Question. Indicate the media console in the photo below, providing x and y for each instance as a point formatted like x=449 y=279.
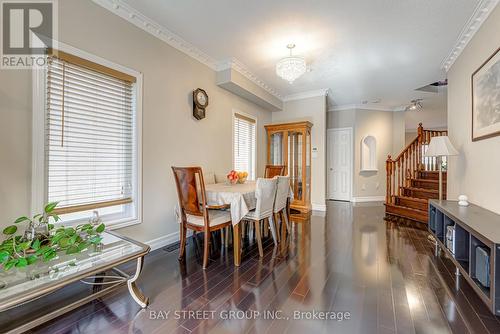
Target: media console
x=473 y=245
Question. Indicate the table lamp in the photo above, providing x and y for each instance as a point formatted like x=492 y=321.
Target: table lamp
x=440 y=146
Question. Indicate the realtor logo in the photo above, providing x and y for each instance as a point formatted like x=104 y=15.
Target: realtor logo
x=27 y=31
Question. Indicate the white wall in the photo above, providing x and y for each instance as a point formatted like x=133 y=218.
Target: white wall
x=389 y=130
x=311 y=109
x=433 y=115
x=171 y=136
x=476 y=171
x=398 y=133
x=378 y=124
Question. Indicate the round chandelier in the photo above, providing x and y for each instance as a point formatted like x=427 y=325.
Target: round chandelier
x=292 y=67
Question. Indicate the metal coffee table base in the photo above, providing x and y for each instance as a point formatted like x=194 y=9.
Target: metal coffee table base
x=134 y=290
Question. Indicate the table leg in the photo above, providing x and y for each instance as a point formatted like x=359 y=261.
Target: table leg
x=237 y=245
x=134 y=290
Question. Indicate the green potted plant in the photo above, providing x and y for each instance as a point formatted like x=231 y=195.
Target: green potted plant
x=43 y=240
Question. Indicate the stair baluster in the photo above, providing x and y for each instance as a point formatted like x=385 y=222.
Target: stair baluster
x=407 y=167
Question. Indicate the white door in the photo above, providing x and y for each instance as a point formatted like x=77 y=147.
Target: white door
x=340 y=164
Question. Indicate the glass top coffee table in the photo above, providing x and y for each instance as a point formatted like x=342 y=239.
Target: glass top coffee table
x=19 y=287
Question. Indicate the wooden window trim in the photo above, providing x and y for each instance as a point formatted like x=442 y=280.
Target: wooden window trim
x=90 y=65
x=245 y=118
x=86 y=207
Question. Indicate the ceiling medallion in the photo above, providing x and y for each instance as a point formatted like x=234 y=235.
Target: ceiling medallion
x=291 y=67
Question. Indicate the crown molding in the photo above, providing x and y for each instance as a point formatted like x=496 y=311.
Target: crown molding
x=138 y=19
x=241 y=68
x=305 y=95
x=368 y=106
x=147 y=24
x=480 y=14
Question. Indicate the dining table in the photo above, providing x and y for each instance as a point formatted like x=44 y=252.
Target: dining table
x=241 y=200
x=239 y=196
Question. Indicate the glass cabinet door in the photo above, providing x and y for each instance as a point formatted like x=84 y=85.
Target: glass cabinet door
x=308 y=167
x=276 y=149
x=289 y=145
x=295 y=168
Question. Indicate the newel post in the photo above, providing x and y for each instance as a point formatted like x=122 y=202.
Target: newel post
x=388 y=170
x=420 y=132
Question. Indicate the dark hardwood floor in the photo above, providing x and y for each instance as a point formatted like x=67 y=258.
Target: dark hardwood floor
x=386 y=276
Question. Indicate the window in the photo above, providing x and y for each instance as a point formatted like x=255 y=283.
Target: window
x=244 y=144
x=91 y=140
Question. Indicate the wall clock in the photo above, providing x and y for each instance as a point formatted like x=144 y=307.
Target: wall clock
x=200 y=102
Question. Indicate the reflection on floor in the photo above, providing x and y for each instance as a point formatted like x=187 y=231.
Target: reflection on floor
x=381 y=278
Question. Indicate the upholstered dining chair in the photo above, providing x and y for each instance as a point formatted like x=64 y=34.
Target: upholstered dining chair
x=274 y=170
x=281 y=201
x=265 y=193
x=194 y=213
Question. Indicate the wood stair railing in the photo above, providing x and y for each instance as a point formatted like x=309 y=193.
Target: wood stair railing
x=406 y=170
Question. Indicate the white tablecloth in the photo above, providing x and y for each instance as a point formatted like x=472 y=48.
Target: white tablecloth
x=241 y=197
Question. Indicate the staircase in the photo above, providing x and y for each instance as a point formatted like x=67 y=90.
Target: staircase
x=412 y=180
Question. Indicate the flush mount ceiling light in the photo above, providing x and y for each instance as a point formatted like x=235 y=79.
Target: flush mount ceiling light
x=292 y=67
x=414 y=105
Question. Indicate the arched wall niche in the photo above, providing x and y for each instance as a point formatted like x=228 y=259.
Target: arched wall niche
x=369 y=154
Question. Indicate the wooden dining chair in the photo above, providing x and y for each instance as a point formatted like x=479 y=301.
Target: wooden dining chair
x=274 y=170
x=265 y=193
x=194 y=213
x=280 y=202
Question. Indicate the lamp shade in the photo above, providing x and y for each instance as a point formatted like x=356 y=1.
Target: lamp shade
x=440 y=146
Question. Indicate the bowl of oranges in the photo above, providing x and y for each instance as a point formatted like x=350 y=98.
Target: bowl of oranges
x=234 y=177
x=242 y=177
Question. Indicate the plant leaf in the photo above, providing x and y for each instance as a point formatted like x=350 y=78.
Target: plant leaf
x=4 y=256
x=64 y=242
x=69 y=231
x=49 y=255
x=43 y=250
x=32 y=259
x=11 y=263
x=74 y=239
x=10 y=230
x=21 y=262
x=50 y=227
x=72 y=250
x=36 y=244
x=50 y=207
x=100 y=228
x=21 y=219
x=82 y=246
x=95 y=240
x=60 y=234
x=24 y=245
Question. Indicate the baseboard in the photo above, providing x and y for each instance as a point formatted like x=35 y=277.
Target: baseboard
x=359 y=199
x=318 y=207
x=163 y=241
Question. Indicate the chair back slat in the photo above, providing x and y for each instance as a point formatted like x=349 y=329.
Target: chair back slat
x=274 y=170
x=282 y=192
x=187 y=180
x=265 y=193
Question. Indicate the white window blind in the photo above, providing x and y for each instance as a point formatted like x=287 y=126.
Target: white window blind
x=89 y=135
x=244 y=145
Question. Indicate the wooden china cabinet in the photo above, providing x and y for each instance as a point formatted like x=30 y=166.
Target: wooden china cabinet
x=289 y=144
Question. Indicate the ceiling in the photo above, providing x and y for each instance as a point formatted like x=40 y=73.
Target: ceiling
x=363 y=50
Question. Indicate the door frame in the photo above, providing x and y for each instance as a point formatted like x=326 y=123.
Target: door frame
x=329 y=133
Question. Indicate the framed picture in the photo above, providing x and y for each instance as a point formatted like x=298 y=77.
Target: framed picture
x=486 y=99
